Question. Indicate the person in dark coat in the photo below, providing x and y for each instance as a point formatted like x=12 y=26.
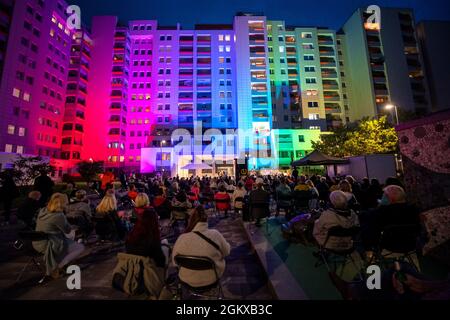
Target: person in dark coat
x=8 y=192
x=44 y=185
x=259 y=202
x=29 y=209
x=393 y=211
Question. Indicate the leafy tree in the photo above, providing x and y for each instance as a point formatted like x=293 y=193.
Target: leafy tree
x=26 y=169
x=89 y=170
x=369 y=136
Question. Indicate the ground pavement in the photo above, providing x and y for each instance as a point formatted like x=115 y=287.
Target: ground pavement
x=244 y=277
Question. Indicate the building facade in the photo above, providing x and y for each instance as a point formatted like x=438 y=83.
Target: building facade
x=119 y=93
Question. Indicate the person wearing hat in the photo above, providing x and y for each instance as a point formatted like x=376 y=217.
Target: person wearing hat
x=259 y=202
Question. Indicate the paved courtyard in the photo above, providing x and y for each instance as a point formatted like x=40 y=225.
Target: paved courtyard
x=244 y=278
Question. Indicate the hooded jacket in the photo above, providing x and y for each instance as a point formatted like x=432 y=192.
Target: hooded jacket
x=55 y=248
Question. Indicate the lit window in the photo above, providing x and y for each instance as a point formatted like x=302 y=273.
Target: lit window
x=54 y=19
x=228 y=48
x=60 y=26
x=314 y=128
x=52 y=32
x=220 y=48
x=26 y=97
x=313 y=116
x=227 y=37
x=22 y=132
x=220 y=37
x=16 y=93
x=11 y=129
x=19 y=150
x=281 y=49
x=8 y=148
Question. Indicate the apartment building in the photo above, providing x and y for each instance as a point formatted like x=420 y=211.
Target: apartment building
x=34 y=78
x=384 y=64
x=433 y=37
x=305 y=77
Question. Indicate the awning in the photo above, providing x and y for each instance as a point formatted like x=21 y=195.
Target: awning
x=317 y=158
x=197 y=166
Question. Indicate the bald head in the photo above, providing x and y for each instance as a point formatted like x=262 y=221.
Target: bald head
x=395 y=194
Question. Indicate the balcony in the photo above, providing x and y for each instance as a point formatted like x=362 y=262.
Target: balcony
x=324 y=40
x=329 y=75
x=327 y=62
x=330 y=86
x=327 y=51
x=333 y=108
x=331 y=96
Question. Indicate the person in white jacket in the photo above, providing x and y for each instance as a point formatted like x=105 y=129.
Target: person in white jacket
x=192 y=244
x=337 y=216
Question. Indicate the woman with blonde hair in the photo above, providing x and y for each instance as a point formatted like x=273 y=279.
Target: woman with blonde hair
x=58 y=250
x=108 y=224
x=142 y=204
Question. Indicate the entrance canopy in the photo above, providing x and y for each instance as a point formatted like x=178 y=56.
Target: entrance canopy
x=196 y=166
x=317 y=158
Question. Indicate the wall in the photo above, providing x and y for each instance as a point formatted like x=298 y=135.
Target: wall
x=425 y=147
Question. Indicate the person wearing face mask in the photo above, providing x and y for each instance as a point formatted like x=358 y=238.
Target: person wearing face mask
x=392 y=211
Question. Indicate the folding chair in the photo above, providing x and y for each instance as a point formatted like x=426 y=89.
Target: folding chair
x=324 y=254
x=26 y=238
x=399 y=240
x=197 y=263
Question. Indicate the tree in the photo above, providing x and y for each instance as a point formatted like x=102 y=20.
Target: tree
x=26 y=169
x=370 y=136
x=89 y=170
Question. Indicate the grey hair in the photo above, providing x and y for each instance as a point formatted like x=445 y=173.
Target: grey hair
x=339 y=199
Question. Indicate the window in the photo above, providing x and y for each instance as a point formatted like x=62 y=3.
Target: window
x=313 y=116
x=281 y=49
x=19 y=150
x=220 y=37
x=227 y=37
x=310 y=69
x=16 y=93
x=313 y=104
x=221 y=48
x=301 y=138
x=22 y=132
x=311 y=80
x=306 y=35
x=8 y=148
x=314 y=128
x=11 y=129
x=309 y=57
x=228 y=48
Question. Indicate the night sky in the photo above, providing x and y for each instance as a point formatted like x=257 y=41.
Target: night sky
x=325 y=13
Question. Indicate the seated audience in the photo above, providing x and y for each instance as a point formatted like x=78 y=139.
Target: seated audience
x=259 y=202
x=393 y=211
x=180 y=207
x=108 y=224
x=144 y=239
x=223 y=200
x=192 y=243
x=132 y=193
x=161 y=205
x=58 y=250
x=29 y=209
x=284 y=198
x=238 y=197
x=79 y=213
x=339 y=215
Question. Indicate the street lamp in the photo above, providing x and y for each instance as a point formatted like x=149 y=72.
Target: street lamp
x=391 y=107
x=163 y=143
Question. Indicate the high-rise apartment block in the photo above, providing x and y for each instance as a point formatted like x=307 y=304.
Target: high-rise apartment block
x=118 y=92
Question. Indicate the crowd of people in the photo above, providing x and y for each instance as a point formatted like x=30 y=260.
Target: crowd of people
x=336 y=202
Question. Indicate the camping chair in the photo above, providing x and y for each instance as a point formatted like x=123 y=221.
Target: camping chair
x=220 y=205
x=285 y=207
x=197 y=263
x=345 y=256
x=264 y=206
x=25 y=239
x=301 y=199
x=239 y=212
x=399 y=240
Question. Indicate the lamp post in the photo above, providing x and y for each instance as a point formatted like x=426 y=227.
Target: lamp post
x=393 y=107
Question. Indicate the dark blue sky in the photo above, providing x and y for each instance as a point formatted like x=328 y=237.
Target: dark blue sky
x=327 y=13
